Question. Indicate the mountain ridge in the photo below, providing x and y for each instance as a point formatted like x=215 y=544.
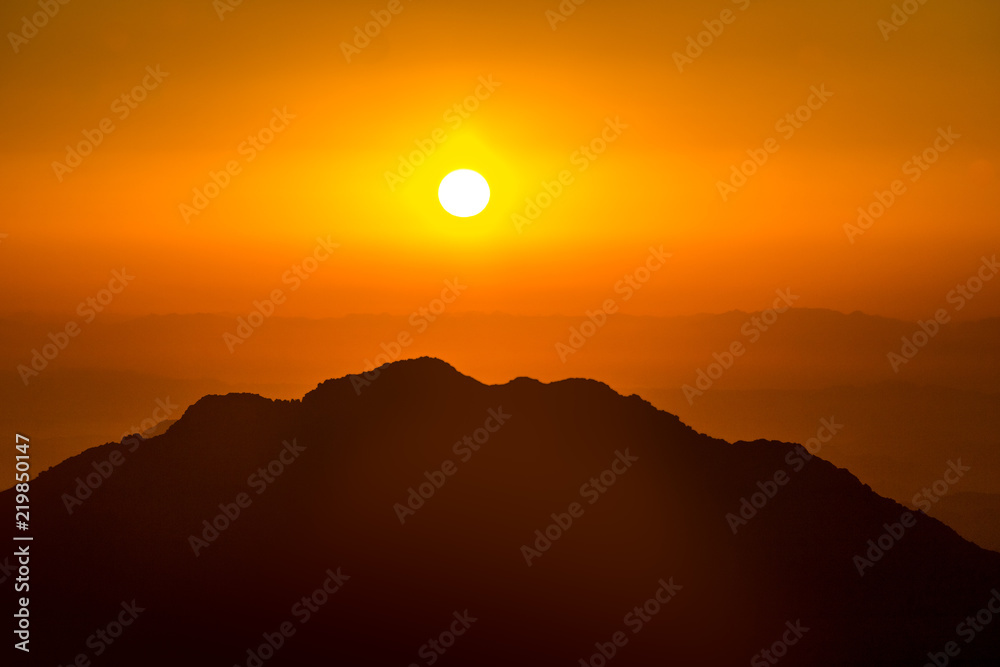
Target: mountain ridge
x=663 y=518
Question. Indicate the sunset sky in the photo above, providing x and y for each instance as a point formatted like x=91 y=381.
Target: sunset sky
x=543 y=93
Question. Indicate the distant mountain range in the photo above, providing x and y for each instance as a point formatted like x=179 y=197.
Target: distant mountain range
x=431 y=519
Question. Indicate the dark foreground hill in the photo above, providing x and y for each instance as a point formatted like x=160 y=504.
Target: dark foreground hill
x=420 y=517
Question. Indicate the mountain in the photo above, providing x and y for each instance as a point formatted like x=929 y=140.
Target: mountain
x=159 y=428
x=112 y=380
x=900 y=435
x=414 y=516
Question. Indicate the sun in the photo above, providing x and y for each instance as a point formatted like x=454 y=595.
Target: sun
x=464 y=193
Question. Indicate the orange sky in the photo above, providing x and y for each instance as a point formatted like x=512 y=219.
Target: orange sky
x=554 y=90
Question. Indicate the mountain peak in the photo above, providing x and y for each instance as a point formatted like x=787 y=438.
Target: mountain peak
x=425 y=373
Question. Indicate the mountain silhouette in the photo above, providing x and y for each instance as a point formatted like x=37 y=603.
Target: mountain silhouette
x=414 y=516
